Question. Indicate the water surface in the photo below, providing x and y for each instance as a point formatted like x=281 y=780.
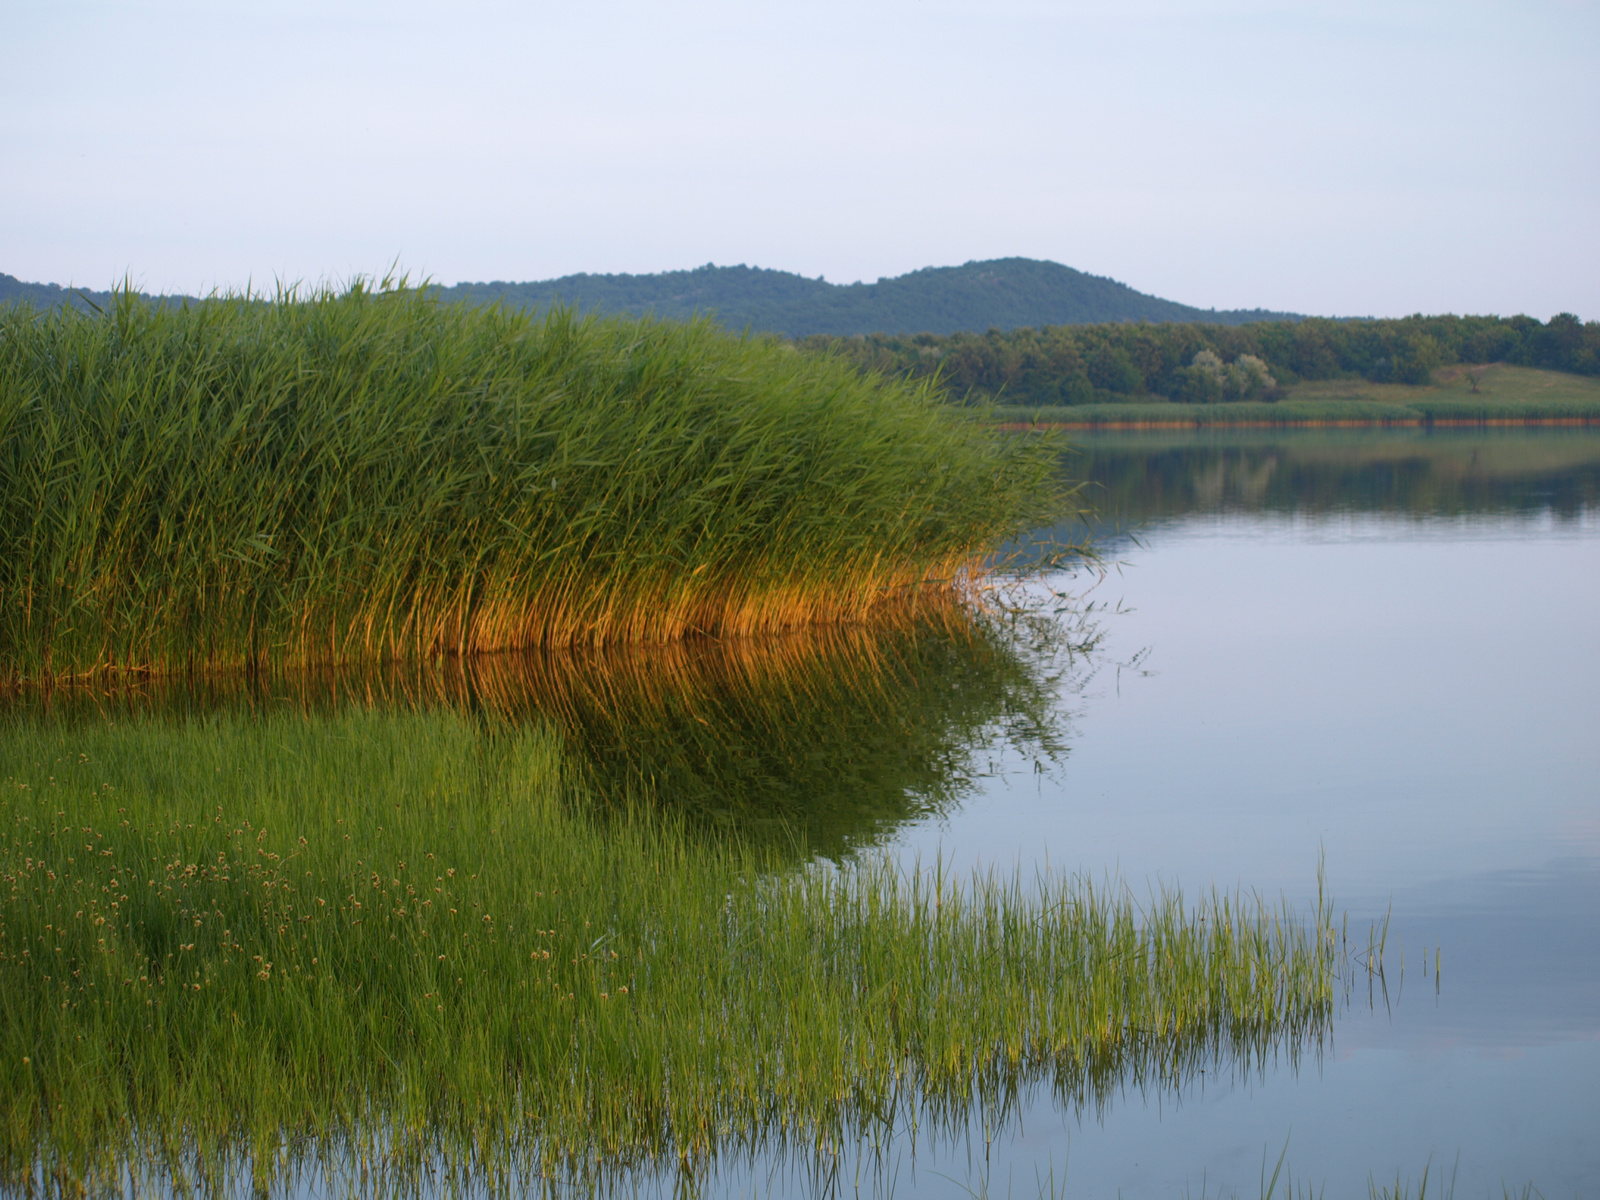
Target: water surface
x=1372 y=654
x=1379 y=650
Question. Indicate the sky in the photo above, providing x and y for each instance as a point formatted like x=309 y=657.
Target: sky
x=1365 y=157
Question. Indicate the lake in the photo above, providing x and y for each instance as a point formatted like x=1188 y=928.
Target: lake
x=1380 y=649
x=1365 y=658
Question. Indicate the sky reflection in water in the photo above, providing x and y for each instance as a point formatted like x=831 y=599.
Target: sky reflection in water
x=1381 y=649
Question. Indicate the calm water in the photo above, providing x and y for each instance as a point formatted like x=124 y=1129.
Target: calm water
x=1376 y=652
x=1379 y=649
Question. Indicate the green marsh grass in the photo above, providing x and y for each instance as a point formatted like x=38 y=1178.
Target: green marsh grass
x=396 y=949
x=372 y=474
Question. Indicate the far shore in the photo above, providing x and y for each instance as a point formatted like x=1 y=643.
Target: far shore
x=1497 y=395
x=1221 y=421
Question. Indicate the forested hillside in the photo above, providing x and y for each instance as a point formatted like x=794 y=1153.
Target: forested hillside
x=1000 y=294
x=49 y=295
x=1201 y=363
x=1036 y=333
x=40 y=295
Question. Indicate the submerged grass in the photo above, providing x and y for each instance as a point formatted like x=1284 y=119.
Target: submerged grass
x=235 y=949
x=374 y=474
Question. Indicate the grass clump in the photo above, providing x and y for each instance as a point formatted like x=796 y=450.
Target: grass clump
x=237 y=949
x=374 y=474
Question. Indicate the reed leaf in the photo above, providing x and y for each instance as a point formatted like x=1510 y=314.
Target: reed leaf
x=373 y=474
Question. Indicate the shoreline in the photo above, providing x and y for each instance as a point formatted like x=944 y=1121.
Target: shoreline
x=1306 y=423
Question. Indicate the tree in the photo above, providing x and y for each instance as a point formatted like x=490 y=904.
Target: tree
x=1112 y=369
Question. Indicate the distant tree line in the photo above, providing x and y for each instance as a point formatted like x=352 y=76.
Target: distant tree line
x=1206 y=363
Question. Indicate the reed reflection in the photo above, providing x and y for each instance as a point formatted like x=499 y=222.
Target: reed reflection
x=362 y=931
x=822 y=742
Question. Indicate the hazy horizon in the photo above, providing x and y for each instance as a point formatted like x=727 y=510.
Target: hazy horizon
x=1367 y=159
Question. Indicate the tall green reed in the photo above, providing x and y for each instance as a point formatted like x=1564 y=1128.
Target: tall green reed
x=236 y=948
x=373 y=474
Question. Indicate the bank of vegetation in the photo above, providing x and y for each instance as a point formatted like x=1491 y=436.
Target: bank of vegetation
x=1201 y=364
x=397 y=947
x=1457 y=397
x=378 y=474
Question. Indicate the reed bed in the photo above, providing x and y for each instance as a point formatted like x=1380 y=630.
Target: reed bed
x=374 y=474
x=394 y=950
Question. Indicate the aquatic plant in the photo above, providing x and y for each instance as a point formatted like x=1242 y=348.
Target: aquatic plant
x=396 y=948
x=374 y=474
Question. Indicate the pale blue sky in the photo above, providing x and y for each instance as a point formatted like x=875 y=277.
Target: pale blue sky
x=1346 y=158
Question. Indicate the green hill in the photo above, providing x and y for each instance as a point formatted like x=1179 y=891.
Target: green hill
x=41 y=295
x=49 y=295
x=1003 y=293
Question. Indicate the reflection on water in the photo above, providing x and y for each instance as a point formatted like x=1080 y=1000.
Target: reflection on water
x=1415 y=473
x=1523 y=961
x=1091 y=1001
x=1381 y=647
x=823 y=741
